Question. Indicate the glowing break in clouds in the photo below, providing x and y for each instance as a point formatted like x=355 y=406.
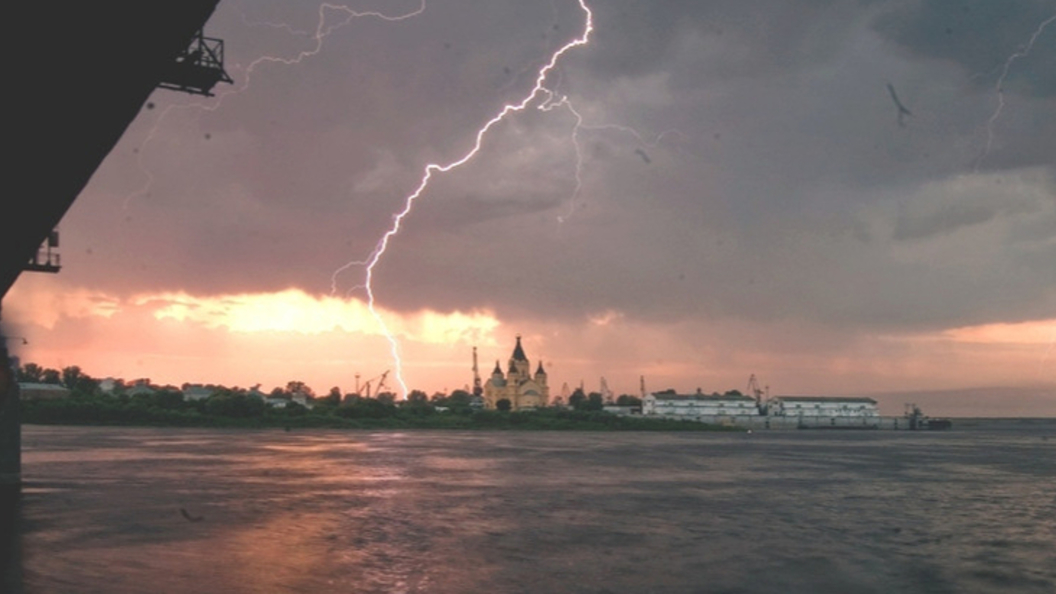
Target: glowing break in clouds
x=293 y=310
x=538 y=91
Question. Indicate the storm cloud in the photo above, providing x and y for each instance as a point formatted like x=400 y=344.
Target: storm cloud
x=736 y=162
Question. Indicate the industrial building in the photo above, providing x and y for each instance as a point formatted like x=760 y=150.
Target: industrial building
x=760 y=411
x=822 y=406
x=695 y=406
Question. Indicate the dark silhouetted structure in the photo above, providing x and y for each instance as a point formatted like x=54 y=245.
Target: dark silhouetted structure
x=82 y=72
x=198 y=68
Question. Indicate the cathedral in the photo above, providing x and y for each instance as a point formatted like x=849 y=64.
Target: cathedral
x=519 y=386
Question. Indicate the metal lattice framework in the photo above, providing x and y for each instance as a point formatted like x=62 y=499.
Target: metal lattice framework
x=198 y=68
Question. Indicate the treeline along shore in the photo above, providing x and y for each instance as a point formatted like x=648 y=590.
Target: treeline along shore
x=69 y=397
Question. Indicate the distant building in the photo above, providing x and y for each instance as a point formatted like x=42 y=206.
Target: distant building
x=108 y=385
x=622 y=410
x=193 y=392
x=141 y=387
x=35 y=391
x=823 y=406
x=519 y=386
x=695 y=406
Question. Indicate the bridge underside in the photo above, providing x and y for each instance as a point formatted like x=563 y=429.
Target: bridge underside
x=79 y=74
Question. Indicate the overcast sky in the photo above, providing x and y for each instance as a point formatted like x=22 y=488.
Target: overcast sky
x=730 y=189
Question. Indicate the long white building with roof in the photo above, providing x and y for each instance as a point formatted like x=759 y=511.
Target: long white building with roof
x=823 y=406
x=699 y=405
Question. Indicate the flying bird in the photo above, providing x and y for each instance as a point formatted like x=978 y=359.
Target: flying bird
x=902 y=111
x=189 y=517
x=645 y=156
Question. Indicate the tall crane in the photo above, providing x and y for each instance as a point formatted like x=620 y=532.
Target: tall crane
x=478 y=389
x=366 y=386
x=756 y=392
x=606 y=393
x=381 y=382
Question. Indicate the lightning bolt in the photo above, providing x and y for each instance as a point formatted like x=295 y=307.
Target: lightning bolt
x=538 y=91
x=322 y=30
x=999 y=88
x=324 y=27
x=563 y=101
x=284 y=26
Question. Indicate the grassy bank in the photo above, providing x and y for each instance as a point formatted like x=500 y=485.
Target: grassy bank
x=103 y=410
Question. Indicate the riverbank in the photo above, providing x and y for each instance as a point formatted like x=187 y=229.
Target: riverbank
x=106 y=411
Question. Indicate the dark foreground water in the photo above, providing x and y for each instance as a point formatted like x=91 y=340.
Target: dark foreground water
x=971 y=510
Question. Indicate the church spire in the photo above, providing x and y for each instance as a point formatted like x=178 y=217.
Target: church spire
x=518 y=352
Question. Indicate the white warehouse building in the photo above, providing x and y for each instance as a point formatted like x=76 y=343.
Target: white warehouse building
x=823 y=406
x=694 y=406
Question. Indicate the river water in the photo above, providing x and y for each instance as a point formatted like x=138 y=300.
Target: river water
x=124 y=510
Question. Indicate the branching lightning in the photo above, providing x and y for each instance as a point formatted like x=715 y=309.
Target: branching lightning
x=539 y=93
x=323 y=30
x=332 y=17
x=999 y=88
x=555 y=102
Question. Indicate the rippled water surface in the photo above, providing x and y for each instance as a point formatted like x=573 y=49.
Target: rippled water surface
x=971 y=510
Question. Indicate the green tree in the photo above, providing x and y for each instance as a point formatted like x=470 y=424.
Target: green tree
x=295 y=387
x=417 y=404
x=628 y=400
x=30 y=373
x=70 y=375
x=78 y=382
x=366 y=408
x=294 y=409
x=51 y=376
x=227 y=403
x=458 y=401
x=459 y=397
x=595 y=401
x=504 y=405
x=578 y=400
x=166 y=398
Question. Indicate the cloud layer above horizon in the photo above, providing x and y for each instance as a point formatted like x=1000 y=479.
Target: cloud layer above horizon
x=741 y=165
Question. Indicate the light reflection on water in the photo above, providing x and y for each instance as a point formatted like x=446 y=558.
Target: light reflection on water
x=330 y=511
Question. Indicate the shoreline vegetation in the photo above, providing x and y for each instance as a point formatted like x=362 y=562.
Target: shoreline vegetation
x=363 y=414
x=71 y=397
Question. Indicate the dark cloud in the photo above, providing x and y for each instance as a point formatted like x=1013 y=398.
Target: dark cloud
x=774 y=195
x=980 y=36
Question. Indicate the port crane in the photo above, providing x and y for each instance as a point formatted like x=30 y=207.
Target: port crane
x=607 y=395
x=756 y=392
x=366 y=386
x=478 y=389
